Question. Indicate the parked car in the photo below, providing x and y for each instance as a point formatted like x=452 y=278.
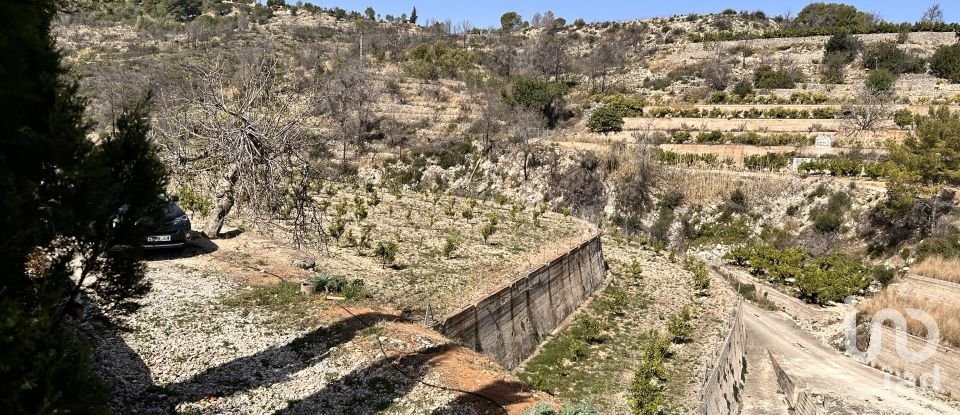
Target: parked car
x=174 y=231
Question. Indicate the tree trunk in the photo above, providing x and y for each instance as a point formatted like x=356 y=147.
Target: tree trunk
x=224 y=202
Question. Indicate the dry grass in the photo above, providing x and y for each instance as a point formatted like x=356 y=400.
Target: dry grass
x=939 y=268
x=943 y=314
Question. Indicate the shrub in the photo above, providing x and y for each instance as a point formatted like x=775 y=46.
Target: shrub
x=328 y=283
x=450 y=245
x=832 y=278
x=886 y=55
x=945 y=62
x=843 y=46
x=589 y=329
x=680 y=327
x=880 y=81
x=769 y=161
x=737 y=202
x=903 y=118
x=743 y=88
x=829 y=218
x=568 y=408
x=646 y=390
x=387 y=252
x=439 y=59
x=833 y=66
x=834 y=16
x=538 y=95
x=354 y=290
x=605 y=120
x=487 y=230
x=768 y=78
x=626 y=107
x=701 y=277
x=710 y=137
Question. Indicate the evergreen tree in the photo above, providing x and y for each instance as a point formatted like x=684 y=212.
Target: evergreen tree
x=413 y=15
x=61 y=195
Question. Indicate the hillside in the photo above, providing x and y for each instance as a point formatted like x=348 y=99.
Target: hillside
x=411 y=169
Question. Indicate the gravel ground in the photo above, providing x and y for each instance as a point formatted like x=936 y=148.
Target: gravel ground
x=189 y=351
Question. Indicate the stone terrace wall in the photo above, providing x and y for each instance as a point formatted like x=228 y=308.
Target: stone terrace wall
x=509 y=324
x=721 y=392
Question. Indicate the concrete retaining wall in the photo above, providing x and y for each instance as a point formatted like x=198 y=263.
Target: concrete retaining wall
x=721 y=391
x=509 y=324
x=800 y=400
x=944 y=292
x=940 y=371
x=764 y=294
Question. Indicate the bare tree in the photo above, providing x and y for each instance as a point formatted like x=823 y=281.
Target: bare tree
x=230 y=122
x=346 y=99
x=716 y=71
x=867 y=113
x=933 y=14
x=600 y=60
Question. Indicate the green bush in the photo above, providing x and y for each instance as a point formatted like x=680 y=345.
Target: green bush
x=829 y=218
x=768 y=78
x=769 y=161
x=880 y=81
x=832 y=278
x=903 y=118
x=833 y=68
x=843 y=46
x=945 y=62
x=775 y=264
x=743 y=88
x=680 y=327
x=605 y=120
x=646 y=390
x=701 y=276
x=542 y=96
x=938 y=246
x=887 y=55
x=387 y=252
x=625 y=106
x=568 y=408
x=438 y=60
x=833 y=16
x=450 y=245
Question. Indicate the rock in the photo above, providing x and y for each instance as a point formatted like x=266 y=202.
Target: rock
x=304 y=263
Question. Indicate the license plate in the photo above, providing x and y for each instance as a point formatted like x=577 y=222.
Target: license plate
x=161 y=238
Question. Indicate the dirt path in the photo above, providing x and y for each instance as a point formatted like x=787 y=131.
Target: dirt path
x=822 y=371
x=761 y=394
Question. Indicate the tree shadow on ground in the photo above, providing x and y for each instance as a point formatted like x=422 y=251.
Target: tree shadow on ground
x=135 y=392
x=491 y=399
x=370 y=389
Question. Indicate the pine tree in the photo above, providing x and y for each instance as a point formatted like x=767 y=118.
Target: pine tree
x=61 y=192
x=413 y=15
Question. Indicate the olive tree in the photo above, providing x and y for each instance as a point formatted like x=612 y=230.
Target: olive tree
x=229 y=124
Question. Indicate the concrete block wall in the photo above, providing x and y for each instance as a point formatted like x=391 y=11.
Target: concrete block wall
x=509 y=324
x=722 y=390
x=941 y=370
x=800 y=400
x=944 y=292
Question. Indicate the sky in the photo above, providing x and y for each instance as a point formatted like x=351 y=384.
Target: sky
x=486 y=13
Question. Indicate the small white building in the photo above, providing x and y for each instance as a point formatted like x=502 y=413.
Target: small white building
x=823 y=141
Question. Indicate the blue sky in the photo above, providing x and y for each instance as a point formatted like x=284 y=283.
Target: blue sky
x=485 y=13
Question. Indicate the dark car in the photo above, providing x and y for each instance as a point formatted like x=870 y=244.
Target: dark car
x=174 y=231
